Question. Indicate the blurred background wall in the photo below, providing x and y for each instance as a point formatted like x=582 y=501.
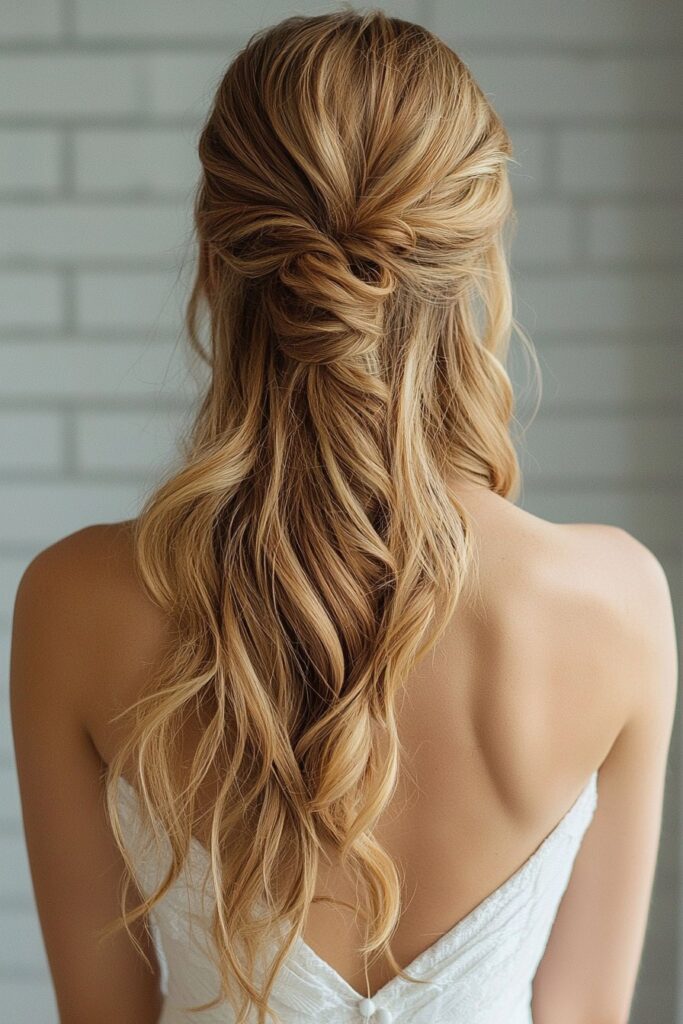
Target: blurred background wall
x=100 y=104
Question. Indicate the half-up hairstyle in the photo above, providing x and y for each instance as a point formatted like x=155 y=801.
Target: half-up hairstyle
x=352 y=278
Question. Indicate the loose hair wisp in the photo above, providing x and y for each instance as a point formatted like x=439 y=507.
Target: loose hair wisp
x=352 y=271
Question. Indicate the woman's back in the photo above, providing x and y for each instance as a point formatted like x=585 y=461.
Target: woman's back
x=480 y=971
x=313 y=646
x=503 y=725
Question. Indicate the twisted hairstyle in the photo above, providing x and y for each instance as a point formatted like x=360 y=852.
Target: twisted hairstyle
x=353 y=282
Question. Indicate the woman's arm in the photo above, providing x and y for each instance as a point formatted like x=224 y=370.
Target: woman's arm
x=589 y=970
x=75 y=864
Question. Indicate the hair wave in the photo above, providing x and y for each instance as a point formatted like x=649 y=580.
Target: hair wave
x=351 y=221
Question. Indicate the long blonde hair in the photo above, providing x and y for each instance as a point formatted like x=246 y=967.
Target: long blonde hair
x=351 y=221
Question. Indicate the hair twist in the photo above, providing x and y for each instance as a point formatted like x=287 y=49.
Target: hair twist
x=327 y=304
x=309 y=550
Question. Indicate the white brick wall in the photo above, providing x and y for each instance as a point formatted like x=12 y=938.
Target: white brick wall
x=40 y=20
x=46 y=85
x=18 y=305
x=149 y=162
x=83 y=231
x=176 y=19
x=30 y=161
x=584 y=23
x=100 y=104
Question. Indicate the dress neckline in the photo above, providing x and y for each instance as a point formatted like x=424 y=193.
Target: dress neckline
x=430 y=954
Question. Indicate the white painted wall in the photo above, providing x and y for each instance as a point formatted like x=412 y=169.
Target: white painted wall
x=99 y=107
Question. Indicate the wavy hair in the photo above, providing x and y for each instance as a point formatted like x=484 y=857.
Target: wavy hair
x=352 y=302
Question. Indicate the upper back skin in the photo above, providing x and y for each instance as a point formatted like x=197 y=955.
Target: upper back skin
x=502 y=723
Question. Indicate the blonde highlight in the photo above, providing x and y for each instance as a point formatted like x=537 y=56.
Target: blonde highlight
x=352 y=210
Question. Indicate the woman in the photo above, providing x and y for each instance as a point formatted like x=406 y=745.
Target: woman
x=327 y=722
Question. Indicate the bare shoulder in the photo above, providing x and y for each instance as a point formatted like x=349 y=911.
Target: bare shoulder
x=96 y=548
x=621 y=643
x=638 y=615
x=593 y=564
x=80 y=632
x=600 y=568
x=83 y=605
x=89 y=578
x=630 y=559
x=615 y=604
x=580 y=617
x=632 y=583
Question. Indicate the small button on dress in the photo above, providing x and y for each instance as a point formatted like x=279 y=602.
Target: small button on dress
x=374 y=1014
x=479 y=972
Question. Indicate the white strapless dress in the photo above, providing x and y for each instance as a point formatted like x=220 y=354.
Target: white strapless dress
x=479 y=972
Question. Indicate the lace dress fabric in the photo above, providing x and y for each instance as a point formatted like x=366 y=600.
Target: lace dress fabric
x=479 y=972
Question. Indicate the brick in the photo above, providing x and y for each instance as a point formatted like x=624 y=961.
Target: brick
x=28 y=1000
x=30 y=299
x=163 y=19
x=184 y=84
x=21 y=943
x=30 y=161
x=576 y=86
x=635 y=232
x=31 y=441
x=544 y=235
x=10 y=805
x=71 y=504
x=655 y=996
x=5 y=637
x=651 y=1001
x=618 y=447
x=15 y=876
x=126 y=441
x=667 y=859
x=145 y=161
x=601 y=372
x=519 y=87
x=86 y=231
x=140 y=300
x=651 y=514
x=41 y=19
x=65 y=368
x=6 y=748
x=530 y=151
x=12 y=568
x=607 y=161
x=69 y=84
x=595 y=301
x=611 y=22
